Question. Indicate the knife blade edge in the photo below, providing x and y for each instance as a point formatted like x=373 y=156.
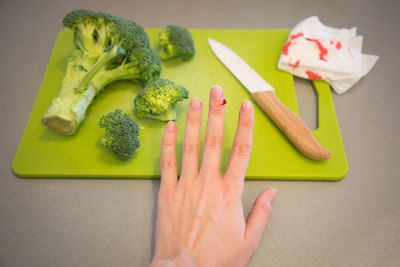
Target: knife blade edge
x=239 y=68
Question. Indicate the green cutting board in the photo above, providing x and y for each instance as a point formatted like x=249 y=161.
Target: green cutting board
x=43 y=153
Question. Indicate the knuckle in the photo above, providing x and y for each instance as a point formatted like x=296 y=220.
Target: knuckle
x=167 y=163
x=216 y=108
x=190 y=148
x=168 y=143
x=242 y=151
x=194 y=119
x=246 y=122
x=213 y=142
x=267 y=212
x=232 y=194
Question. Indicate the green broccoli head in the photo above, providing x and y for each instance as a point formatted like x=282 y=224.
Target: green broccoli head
x=89 y=34
x=124 y=44
x=175 y=42
x=104 y=37
x=158 y=100
x=121 y=134
x=97 y=32
x=107 y=48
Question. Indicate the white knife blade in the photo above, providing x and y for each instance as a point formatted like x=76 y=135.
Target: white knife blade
x=239 y=68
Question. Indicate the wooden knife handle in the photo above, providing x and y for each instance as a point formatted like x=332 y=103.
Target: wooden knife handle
x=291 y=125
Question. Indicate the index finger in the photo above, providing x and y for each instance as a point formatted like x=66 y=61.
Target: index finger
x=169 y=173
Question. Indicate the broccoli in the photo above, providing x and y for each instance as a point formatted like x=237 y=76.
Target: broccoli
x=121 y=134
x=158 y=100
x=107 y=48
x=142 y=66
x=175 y=42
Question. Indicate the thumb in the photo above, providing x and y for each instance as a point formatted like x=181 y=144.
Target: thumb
x=258 y=218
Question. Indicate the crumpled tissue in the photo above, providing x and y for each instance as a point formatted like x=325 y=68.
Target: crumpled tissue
x=318 y=52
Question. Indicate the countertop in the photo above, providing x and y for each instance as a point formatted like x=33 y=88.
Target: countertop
x=85 y=222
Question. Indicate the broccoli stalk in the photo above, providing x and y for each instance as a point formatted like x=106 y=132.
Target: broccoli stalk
x=175 y=42
x=102 y=42
x=158 y=100
x=121 y=134
x=142 y=66
x=169 y=115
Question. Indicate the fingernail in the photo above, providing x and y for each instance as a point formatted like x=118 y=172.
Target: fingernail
x=216 y=92
x=170 y=126
x=272 y=195
x=196 y=103
x=275 y=193
x=246 y=106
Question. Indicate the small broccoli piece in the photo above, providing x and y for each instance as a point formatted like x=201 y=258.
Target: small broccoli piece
x=107 y=48
x=175 y=42
x=121 y=134
x=158 y=100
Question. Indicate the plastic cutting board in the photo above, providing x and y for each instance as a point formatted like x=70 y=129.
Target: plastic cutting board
x=43 y=153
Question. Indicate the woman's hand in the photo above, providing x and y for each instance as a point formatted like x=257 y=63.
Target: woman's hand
x=200 y=220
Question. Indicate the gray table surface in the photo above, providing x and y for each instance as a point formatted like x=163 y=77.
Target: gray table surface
x=68 y=222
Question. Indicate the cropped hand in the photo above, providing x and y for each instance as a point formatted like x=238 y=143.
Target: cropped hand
x=200 y=220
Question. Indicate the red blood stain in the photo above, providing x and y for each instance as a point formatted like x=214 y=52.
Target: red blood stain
x=295 y=36
x=313 y=75
x=285 y=49
x=223 y=102
x=322 y=50
x=338 y=45
x=331 y=42
x=295 y=65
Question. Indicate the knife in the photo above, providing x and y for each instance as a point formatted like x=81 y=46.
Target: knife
x=264 y=95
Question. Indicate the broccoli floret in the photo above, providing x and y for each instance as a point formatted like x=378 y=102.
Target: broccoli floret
x=121 y=134
x=158 y=100
x=175 y=42
x=103 y=43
